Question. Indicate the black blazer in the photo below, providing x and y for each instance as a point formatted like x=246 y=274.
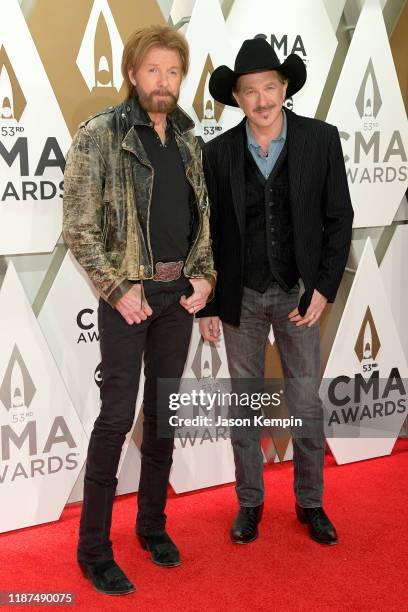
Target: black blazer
x=320 y=204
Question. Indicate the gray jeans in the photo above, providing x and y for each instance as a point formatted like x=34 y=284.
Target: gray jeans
x=299 y=349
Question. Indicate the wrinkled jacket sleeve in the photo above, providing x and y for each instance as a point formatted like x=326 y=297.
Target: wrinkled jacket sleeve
x=83 y=219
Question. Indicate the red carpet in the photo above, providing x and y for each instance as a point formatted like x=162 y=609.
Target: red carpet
x=282 y=570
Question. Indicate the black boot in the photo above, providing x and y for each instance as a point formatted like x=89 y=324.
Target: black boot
x=320 y=528
x=245 y=527
x=107 y=577
x=162 y=549
x=95 y=556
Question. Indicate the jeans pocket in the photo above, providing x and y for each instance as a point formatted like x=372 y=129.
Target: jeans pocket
x=295 y=289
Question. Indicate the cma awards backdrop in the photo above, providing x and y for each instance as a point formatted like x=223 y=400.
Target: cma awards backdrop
x=59 y=63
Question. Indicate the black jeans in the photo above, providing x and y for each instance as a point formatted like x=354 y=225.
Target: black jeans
x=164 y=340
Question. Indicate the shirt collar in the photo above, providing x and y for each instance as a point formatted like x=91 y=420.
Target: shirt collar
x=282 y=136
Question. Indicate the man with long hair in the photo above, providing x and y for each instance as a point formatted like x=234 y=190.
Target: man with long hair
x=136 y=217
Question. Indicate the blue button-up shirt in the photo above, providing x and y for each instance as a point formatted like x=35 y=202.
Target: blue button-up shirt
x=264 y=162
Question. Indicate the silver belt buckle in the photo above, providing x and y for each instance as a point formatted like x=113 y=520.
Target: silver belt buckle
x=168 y=271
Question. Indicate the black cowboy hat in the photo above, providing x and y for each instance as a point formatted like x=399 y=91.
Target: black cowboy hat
x=256 y=55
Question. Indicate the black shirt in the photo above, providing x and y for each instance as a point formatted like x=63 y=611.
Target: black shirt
x=170 y=214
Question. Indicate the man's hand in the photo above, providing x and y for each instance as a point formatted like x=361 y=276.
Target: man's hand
x=132 y=307
x=202 y=289
x=210 y=329
x=313 y=313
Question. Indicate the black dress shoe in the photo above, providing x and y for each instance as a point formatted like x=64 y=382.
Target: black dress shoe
x=107 y=577
x=245 y=527
x=320 y=528
x=162 y=549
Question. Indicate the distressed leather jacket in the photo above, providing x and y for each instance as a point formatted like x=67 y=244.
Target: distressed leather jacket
x=108 y=184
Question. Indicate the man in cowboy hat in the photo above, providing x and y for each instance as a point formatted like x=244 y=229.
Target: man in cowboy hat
x=281 y=212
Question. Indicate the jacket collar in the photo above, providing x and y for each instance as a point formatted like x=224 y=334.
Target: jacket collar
x=136 y=115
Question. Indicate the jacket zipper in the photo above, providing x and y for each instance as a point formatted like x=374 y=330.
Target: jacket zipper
x=189 y=256
x=148 y=220
x=148 y=209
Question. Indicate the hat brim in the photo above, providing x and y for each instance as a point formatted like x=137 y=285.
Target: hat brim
x=223 y=79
